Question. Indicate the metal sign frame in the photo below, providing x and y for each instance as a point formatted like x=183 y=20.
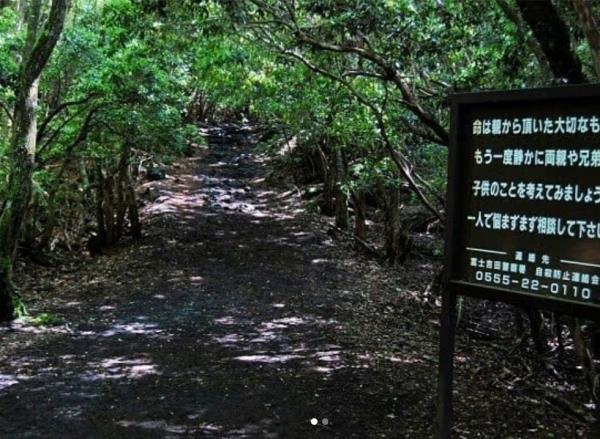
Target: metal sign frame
x=453 y=287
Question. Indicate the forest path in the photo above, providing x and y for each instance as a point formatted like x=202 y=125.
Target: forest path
x=234 y=317
x=238 y=316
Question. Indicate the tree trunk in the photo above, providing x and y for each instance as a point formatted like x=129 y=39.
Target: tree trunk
x=101 y=227
x=590 y=29
x=514 y=16
x=341 y=199
x=553 y=35
x=327 y=205
x=56 y=182
x=131 y=200
x=52 y=205
x=22 y=157
x=341 y=209
x=360 y=217
x=121 y=185
x=23 y=141
x=108 y=207
x=397 y=241
x=127 y=197
x=29 y=233
x=538 y=335
x=133 y=214
x=586 y=359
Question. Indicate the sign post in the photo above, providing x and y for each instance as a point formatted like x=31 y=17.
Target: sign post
x=523 y=208
x=446 y=364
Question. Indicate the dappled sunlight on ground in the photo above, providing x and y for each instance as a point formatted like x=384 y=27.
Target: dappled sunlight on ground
x=232 y=318
x=203 y=429
x=121 y=367
x=7 y=381
x=278 y=358
x=281 y=340
x=147 y=329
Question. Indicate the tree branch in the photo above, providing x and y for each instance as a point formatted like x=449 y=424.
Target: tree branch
x=401 y=162
x=391 y=74
x=41 y=51
x=58 y=109
x=81 y=136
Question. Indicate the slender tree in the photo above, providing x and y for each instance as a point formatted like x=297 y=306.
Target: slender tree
x=40 y=42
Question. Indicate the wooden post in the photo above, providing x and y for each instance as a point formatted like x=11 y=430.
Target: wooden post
x=446 y=365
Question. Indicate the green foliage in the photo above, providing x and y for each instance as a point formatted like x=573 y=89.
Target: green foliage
x=46 y=319
x=19 y=307
x=367 y=81
x=435 y=47
x=312 y=206
x=11 y=42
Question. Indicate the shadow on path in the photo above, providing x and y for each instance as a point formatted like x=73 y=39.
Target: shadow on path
x=229 y=320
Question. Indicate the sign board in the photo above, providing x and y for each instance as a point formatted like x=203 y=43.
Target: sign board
x=524 y=198
x=523 y=208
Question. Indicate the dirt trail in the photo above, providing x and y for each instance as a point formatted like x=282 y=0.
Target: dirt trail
x=235 y=317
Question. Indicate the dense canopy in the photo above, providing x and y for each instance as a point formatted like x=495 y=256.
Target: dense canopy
x=346 y=101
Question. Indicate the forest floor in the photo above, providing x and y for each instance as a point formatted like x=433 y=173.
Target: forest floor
x=239 y=316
